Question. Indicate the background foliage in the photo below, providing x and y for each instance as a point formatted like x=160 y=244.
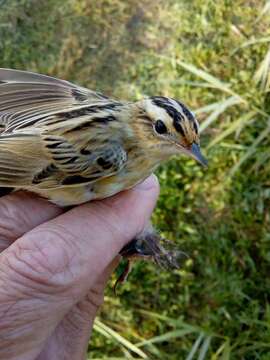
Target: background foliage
x=215 y=56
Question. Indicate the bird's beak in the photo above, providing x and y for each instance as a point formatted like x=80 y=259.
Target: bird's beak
x=195 y=152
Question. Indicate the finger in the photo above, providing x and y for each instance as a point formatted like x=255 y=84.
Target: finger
x=72 y=334
x=50 y=269
x=88 y=236
x=21 y=212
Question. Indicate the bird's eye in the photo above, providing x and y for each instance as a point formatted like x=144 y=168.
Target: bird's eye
x=160 y=127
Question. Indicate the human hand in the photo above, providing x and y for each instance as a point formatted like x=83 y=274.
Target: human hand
x=54 y=265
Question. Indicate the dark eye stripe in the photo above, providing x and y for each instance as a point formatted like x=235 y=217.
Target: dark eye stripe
x=195 y=127
x=175 y=114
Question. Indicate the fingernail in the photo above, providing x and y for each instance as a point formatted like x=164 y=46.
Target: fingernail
x=148 y=183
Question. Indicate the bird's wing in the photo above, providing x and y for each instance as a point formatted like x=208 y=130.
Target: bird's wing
x=30 y=159
x=21 y=156
x=27 y=98
x=79 y=166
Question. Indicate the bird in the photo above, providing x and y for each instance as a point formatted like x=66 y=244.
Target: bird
x=71 y=145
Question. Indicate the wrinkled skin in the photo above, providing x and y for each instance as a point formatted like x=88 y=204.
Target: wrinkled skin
x=54 y=265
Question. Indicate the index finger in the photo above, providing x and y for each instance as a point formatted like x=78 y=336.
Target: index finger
x=21 y=212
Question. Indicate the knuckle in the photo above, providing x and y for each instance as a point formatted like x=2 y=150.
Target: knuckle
x=94 y=299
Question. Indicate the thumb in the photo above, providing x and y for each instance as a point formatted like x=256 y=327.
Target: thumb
x=51 y=268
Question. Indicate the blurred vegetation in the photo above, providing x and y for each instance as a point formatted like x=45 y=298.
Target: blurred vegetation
x=215 y=56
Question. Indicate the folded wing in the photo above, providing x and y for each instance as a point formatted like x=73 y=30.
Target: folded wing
x=26 y=98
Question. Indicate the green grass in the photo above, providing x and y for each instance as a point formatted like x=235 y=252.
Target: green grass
x=213 y=55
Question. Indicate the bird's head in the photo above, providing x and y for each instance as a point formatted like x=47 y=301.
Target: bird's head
x=172 y=127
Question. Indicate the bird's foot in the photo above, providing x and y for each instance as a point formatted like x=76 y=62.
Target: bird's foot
x=149 y=245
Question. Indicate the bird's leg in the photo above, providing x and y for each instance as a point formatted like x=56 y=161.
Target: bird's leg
x=5 y=191
x=124 y=275
x=149 y=245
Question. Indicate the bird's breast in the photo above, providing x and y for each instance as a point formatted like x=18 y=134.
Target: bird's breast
x=135 y=171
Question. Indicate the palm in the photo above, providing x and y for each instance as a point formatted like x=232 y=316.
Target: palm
x=54 y=266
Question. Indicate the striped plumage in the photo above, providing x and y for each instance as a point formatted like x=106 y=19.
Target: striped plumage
x=71 y=145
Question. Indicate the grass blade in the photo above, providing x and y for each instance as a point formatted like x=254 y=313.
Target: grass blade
x=219 y=352
x=234 y=126
x=226 y=354
x=232 y=100
x=251 y=150
x=195 y=347
x=179 y=323
x=262 y=75
x=110 y=333
x=214 y=81
x=251 y=42
x=208 y=108
x=264 y=11
x=165 y=337
x=204 y=348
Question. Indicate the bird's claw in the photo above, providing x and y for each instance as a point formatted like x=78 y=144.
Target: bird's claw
x=149 y=246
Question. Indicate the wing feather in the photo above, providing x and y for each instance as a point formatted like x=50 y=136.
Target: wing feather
x=21 y=156
x=77 y=168
x=31 y=159
x=19 y=76
x=26 y=96
x=33 y=151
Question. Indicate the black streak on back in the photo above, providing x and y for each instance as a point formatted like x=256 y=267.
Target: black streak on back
x=44 y=174
x=105 y=164
x=85 y=152
x=98 y=120
x=88 y=110
x=76 y=180
x=53 y=145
